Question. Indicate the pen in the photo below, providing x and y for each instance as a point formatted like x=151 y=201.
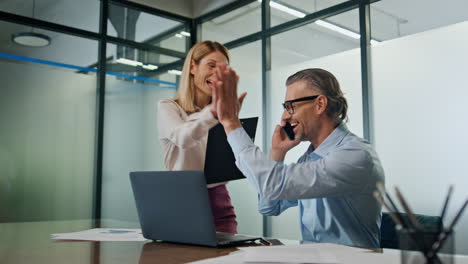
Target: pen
x=443 y=235
x=407 y=209
x=459 y=213
x=381 y=188
x=444 y=208
x=399 y=224
x=392 y=215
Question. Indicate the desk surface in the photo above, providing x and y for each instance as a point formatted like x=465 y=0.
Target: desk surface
x=29 y=242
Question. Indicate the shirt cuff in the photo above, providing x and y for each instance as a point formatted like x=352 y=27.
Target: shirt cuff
x=208 y=117
x=239 y=140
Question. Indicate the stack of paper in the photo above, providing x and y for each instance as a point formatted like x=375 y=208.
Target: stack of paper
x=305 y=253
x=315 y=253
x=103 y=234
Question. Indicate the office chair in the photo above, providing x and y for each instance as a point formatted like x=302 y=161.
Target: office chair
x=389 y=236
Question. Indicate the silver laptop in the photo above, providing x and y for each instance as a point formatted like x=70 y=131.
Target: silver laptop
x=173 y=206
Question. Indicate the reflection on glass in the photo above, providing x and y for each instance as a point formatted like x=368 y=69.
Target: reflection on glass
x=57 y=52
x=176 y=38
x=286 y=10
x=131 y=141
x=139 y=26
x=177 y=41
x=83 y=14
x=282 y=12
x=141 y=66
x=398 y=18
x=47 y=114
x=317 y=39
x=233 y=25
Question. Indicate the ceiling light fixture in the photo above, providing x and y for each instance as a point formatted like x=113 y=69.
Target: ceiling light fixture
x=338 y=29
x=286 y=9
x=31 y=39
x=175 y=72
x=136 y=64
x=319 y=22
x=149 y=67
x=182 y=34
x=128 y=62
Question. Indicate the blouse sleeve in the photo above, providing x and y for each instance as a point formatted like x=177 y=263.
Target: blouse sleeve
x=182 y=133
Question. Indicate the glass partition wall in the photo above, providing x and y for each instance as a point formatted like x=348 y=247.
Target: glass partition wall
x=135 y=83
x=78 y=104
x=47 y=117
x=84 y=113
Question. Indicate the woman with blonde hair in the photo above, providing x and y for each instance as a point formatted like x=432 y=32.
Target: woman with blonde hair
x=184 y=122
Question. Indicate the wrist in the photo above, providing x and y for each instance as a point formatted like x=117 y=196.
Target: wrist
x=215 y=116
x=231 y=125
x=277 y=155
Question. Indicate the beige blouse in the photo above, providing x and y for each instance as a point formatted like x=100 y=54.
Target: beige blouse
x=183 y=137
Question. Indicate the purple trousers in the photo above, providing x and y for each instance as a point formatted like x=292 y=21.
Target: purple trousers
x=223 y=212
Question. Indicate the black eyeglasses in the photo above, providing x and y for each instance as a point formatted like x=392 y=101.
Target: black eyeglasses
x=288 y=105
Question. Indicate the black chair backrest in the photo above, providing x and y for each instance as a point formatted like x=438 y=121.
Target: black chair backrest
x=389 y=236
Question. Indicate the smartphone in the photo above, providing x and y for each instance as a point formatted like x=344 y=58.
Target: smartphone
x=288 y=129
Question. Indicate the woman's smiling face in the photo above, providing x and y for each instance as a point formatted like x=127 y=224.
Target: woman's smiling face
x=203 y=72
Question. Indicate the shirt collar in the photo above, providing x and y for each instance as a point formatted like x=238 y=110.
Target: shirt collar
x=335 y=137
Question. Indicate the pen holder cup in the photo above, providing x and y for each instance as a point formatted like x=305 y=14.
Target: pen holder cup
x=416 y=247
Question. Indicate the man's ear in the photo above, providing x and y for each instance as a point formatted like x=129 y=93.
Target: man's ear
x=322 y=103
x=193 y=67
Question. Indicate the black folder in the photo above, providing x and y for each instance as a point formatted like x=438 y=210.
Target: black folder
x=220 y=164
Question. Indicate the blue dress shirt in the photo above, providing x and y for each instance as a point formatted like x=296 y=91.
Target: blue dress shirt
x=333 y=186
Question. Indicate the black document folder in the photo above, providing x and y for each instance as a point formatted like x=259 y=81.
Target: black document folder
x=220 y=164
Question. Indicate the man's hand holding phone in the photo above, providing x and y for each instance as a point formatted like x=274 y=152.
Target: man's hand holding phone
x=281 y=144
x=288 y=129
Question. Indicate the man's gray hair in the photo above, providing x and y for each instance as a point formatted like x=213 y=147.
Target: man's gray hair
x=325 y=83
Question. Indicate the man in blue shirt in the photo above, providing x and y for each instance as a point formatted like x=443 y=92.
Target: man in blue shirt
x=332 y=183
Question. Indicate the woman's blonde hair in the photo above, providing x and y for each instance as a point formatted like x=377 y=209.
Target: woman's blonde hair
x=185 y=96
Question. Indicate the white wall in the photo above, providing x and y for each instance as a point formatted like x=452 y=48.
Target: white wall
x=420 y=91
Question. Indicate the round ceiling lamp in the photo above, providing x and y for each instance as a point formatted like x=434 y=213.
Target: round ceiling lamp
x=31 y=39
